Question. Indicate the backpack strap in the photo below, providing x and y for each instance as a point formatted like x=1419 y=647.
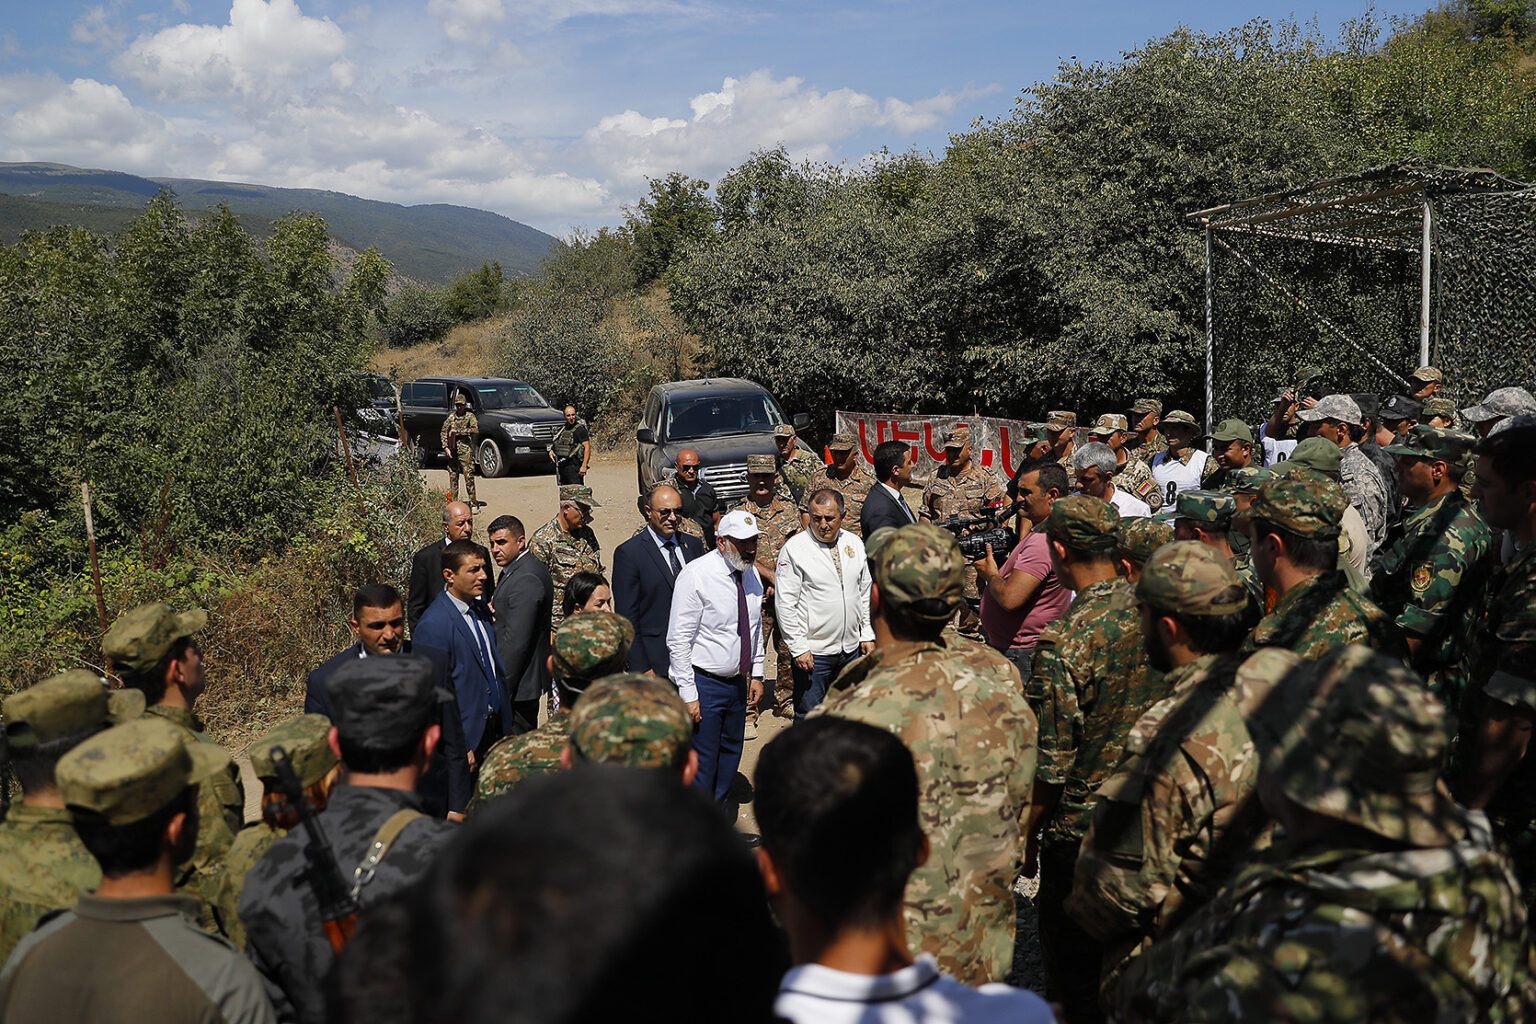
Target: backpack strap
x=383 y=839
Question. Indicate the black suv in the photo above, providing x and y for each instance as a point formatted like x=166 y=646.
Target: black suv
x=724 y=419
x=516 y=423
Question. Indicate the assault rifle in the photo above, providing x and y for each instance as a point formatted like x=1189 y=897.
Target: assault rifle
x=338 y=908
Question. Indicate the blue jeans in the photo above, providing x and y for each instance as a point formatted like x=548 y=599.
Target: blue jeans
x=811 y=687
x=722 y=724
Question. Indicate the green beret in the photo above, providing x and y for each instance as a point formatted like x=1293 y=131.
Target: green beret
x=305 y=740
x=1082 y=523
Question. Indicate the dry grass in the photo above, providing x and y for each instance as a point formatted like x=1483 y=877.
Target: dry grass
x=469 y=349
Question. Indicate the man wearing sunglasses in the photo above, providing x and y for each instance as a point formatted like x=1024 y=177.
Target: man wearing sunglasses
x=644 y=568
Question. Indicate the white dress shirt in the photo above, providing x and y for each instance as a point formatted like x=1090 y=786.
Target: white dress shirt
x=820 y=610
x=701 y=630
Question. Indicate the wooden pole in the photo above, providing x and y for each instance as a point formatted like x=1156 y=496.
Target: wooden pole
x=90 y=539
x=346 y=450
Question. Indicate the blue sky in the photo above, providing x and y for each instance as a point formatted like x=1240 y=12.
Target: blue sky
x=553 y=112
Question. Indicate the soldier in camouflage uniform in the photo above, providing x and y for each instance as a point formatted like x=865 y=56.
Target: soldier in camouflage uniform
x=962 y=487
x=1136 y=537
x=1180 y=815
x=460 y=428
x=566 y=544
x=848 y=476
x=1336 y=418
x=1146 y=440
x=1320 y=455
x=385 y=712
x=1206 y=516
x=1133 y=476
x=1385 y=901
x=306 y=741
x=1294 y=520
x=43 y=864
x=1061 y=429
x=586 y=647
x=1431 y=578
x=1440 y=412
x=1089 y=684
x=793 y=465
x=1232 y=450
x=972 y=736
x=778 y=519
x=635 y=720
x=154 y=651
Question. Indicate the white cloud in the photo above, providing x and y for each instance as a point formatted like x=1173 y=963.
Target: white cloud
x=80 y=122
x=97 y=26
x=267 y=44
x=544 y=14
x=465 y=21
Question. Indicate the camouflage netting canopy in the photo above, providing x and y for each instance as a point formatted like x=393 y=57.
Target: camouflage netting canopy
x=1334 y=274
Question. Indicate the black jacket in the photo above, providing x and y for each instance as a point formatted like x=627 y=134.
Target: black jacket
x=880 y=509
x=524 y=602
x=642 y=593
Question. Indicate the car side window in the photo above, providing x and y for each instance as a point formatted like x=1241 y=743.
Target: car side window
x=653 y=412
x=432 y=393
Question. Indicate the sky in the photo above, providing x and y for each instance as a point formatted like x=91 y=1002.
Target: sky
x=552 y=112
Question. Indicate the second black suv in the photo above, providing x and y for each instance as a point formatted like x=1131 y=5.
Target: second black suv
x=516 y=423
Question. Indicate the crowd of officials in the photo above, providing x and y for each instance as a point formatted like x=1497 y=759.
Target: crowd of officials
x=1256 y=705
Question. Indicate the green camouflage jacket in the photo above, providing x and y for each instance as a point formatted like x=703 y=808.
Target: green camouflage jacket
x=1348 y=935
x=1179 y=817
x=466 y=426
x=565 y=555
x=795 y=472
x=515 y=759
x=1504 y=669
x=1322 y=613
x=1431 y=580
x=973 y=738
x=43 y=867
x=1089 y=684
x=249 y=846
x=854 y=490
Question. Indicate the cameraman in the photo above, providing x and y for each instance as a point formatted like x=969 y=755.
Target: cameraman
x=1023 y=596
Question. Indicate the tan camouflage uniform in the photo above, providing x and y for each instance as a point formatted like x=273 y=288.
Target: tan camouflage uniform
x=564 y=555
x=1135 y=477
x=966 y=495
x=462 y=458
x=854 y=488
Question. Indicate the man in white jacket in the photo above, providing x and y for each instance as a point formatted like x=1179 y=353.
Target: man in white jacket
x=822 y=590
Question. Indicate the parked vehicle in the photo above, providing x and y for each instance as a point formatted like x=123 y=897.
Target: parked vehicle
x=516 y=423
x=724 y=419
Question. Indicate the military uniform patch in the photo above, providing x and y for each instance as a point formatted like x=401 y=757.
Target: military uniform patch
x=1422 y=577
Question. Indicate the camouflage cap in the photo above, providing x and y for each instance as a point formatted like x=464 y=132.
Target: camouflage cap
x=1309 y=373
x=1428 y=374
x=130 y=771
x=1315 y=453
x=139 y=639
x=1142 y=406
x=784 y=430
x=918 y=562
x=632 y=719
x=1512 y=423
x=1035 y=432
x=1400 y=407
x=1214 y=508
x=761 y=464
x=1190 y=578
x=579 y=493
x=1108 y=424
x=1439 y=444
x=1248 y=479
x=957 y=436
x=305 y=740
x=1439 y=405
x=1060 y=419
x=1180 y=418
x=1358 y=737
x=1502 y=402
x=65 y=705
x=384 y=701
x=1332 y=407
x=591 y=645
x=1137 y=537
x=1232 y=429
x=1083 y=523
x=1304 y=503
x=843 y=441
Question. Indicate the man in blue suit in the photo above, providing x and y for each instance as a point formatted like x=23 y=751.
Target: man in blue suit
x=456 y=622
x=378 y=622
x=643 y=570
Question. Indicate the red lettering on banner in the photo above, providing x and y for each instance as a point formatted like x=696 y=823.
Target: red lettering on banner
x=897 y=434
x=986 y=458
x=936 y=454
x=1006 y=450
x=869 y=455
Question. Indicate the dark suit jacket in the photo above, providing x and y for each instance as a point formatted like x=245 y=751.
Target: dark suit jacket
x=524 y=603
x=447 y=786
x=427 y=580
x=700 y=505
x=642 y=593
x=880 y=509
x=442 y=626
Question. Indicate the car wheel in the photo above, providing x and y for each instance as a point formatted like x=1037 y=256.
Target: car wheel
x=423 y=453
x=490 y=459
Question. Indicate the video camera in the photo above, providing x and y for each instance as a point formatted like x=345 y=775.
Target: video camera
x=976 y=532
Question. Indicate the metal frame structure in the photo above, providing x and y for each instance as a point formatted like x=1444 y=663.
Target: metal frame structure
x=1391 y=208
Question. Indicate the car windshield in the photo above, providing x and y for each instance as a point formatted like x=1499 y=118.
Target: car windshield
x=379 y=387
x=691 y=418
x=509 y=396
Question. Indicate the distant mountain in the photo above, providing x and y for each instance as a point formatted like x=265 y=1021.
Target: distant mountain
x=431 y=243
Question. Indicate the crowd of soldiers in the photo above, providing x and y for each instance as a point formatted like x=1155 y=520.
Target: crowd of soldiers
x=1265 y=743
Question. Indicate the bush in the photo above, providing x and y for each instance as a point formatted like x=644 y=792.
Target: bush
x=416 y=316
x=560 y=343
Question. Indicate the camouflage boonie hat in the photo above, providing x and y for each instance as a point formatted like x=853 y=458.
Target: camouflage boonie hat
x=383 y=702
x=139 y=639
x=784 y=430
x=632 y=719
x=1358 y=737
x=1315 y=453
x=1400 y=407
x=1213 y=507
x=130 y=771
x=1501 y=402
x=1142 y=406
x=1060 y=419
x=1083 y=523
x=761 y=464
x=1108 y=424
x=1180 y=418
x=843 y=442
x=1306 y=504
x=591 y=645
x=1439 y=405
x=918 y=562
x=957 y=436
x=1190 y=578
x=1230 y=430
x=305 y=740
x=1437 y=443
x=1137 y=537
x=1428 y=374
x=66 y=705
x=1248 y=479
x=579 y=493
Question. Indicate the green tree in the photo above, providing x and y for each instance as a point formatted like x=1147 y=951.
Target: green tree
x=415 y=316
x=677 y=212
x=478 y=294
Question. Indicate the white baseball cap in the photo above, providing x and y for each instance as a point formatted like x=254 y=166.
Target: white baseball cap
x=738 y=525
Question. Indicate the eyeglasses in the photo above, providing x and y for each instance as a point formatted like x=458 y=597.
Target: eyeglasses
x=686 y=466
x=668 y=513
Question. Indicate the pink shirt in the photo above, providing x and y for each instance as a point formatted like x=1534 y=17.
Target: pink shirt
x=1021 y=628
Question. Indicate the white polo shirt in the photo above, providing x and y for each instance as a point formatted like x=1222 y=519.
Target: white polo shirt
x=920 y=994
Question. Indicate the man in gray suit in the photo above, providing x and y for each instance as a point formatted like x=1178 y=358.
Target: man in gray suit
x=523 y=601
